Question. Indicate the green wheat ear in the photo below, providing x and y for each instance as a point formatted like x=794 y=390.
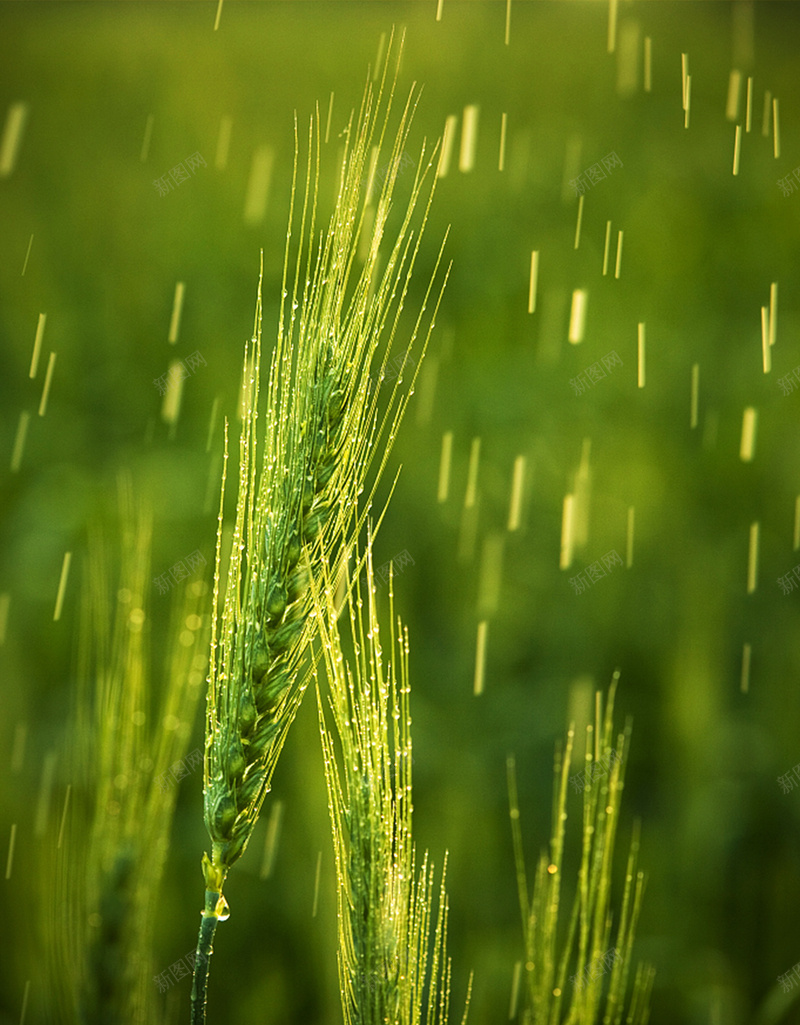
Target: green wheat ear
x=304 y=502
x=595 y=990
x=103 y=870
x=391 y=969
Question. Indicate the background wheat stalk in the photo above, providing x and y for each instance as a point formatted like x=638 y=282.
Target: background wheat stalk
x=104 y=869
x=550 y=957
x=322 y=430
x=390 y=967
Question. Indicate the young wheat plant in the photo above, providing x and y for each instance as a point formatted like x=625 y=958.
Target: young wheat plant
x=550 y=998
x=390 y=971
x=322 y=430
x=104 y=868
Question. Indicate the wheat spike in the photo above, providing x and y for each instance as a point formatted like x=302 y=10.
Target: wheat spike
x=303 y=500
x=392 y=953
x=104 y=859
x=585 y=946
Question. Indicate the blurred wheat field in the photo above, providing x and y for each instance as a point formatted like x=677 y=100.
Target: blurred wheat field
x=528 y=456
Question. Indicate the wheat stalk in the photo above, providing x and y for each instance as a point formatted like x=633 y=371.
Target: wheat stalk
x=104 y=868
x=588 y=936
x=322 y=430
x=390 y=967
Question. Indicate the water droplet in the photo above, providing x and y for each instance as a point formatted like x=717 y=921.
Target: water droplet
x=223 y=909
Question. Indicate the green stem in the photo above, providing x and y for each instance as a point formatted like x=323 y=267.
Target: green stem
x=208 y=926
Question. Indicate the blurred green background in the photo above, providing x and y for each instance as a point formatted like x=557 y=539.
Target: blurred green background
x=720 y=841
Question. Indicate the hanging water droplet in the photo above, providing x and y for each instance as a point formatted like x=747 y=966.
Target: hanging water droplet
x=223 y=910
